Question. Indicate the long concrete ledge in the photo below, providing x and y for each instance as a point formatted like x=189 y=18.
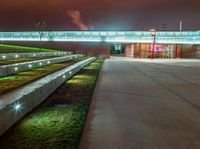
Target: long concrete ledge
x=8 y=56
x=17 y=103
x=19 y=67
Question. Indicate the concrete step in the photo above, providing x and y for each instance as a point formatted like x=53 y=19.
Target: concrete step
x=19 y=67
x=17 y=103
x=9 y=56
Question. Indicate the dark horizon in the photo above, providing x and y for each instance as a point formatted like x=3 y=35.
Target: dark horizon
x=99 y=15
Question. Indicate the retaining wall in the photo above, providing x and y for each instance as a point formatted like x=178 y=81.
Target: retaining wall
x=19 y=67
x=17 y=103
x=9 y=56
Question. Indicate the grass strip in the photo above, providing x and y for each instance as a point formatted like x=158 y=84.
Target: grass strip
x=21 y=49
x=22 y=78
x=20 y=60
x=58 y=122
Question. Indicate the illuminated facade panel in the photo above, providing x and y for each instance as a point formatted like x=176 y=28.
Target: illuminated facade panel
x=179 y=37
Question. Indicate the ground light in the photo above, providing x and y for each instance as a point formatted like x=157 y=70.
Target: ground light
x=16 y=68
x=17 y=107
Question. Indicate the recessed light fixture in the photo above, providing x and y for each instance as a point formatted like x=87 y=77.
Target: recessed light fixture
x=15 y=68
x=17 y=107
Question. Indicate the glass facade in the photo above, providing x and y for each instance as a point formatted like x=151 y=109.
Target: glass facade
x=185 y=37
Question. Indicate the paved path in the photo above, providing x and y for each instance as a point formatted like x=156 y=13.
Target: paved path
x=145 y=104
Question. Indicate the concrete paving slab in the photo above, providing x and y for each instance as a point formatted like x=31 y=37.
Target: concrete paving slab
x=145 y=104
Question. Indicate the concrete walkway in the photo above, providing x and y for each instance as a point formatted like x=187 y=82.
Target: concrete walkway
x=145 y=104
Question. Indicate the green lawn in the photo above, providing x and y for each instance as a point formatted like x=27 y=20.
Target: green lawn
x=21 y=49
x=13 y=81
x=58 y=122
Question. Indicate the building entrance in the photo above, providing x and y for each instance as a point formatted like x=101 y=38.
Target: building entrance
x=147 y=51
x=118 y=50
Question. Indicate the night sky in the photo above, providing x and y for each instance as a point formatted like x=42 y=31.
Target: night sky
x=21 y=15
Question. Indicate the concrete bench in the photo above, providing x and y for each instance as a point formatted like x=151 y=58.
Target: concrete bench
x=17 y=103
x=9 y=56
x=19 y=67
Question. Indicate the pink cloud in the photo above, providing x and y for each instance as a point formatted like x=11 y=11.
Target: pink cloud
x=77 y=20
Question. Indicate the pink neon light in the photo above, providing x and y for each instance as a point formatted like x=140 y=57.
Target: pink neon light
x=158 y=48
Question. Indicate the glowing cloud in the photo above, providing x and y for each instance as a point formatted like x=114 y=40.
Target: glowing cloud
x=77 y=20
